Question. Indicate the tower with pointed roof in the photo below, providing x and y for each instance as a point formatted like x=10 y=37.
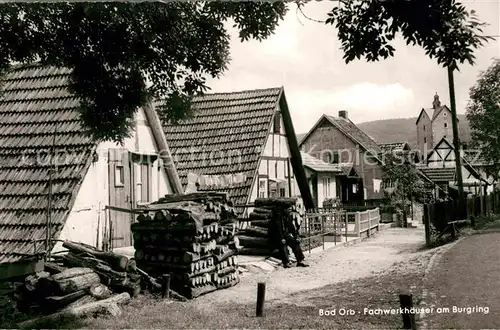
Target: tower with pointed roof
x=433 y=124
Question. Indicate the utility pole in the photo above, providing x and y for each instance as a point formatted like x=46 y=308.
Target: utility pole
x=456 y=138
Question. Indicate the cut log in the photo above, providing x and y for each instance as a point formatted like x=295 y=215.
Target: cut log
x=222 y=257
x=116 y=261
x=262 y=210
x=80 y=302
x=80 y=311
x=256 y=232
x=196 y=292
x=229 y=284
x=54 y=268
x=80 y=282
x=31 y=281
x=52 y=304
x=257 y=216
x=277 y=202
x=254 y=251
x=253 y=242
x=72 y=272
x=260 y=223
x=99 y=291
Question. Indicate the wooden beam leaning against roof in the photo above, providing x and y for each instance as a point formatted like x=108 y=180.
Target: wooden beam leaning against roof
x=296 y=159
x=164 y=152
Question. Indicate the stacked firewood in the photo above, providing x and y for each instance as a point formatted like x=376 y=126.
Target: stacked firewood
x=80 y=277
x=183 y=237
x=254 y=239
x=74 y=291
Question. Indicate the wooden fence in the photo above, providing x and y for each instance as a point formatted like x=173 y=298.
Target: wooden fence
x=337 y=226
x=442 y=215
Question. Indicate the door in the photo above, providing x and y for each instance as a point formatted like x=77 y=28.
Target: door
x=120 y=196
x=142 y=178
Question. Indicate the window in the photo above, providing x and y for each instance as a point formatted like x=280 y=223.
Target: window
x=326 y=187
x=262 y=188
x=332 y=157
x=425 y=140
x=424 y=128
x=277 y=123
x=445 y=125
x=282 y=192
x=143 y=181
x=445 y=114
x=119 y=176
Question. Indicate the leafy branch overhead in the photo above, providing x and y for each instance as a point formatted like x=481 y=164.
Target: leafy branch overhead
x=114 y=48
x=124 y=54
x=483 y=113
x=443 y=28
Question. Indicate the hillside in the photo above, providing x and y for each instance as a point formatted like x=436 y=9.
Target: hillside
x=401 y=129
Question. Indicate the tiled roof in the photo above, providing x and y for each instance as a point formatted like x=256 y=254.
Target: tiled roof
x=226 y=135
x=475 y=158
x=317 y=164
x=393 y=146
x=355 y=133
x=37 y=112
x=439 y=174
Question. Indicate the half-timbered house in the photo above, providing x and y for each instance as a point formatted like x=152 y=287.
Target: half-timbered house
x=242 y=143
x=56 y=183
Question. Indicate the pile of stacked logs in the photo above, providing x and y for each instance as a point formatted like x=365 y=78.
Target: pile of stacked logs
x=185 y=237
x=80 y=282
x=254 y=239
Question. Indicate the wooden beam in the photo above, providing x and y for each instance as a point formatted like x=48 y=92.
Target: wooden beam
x=164 y=151
x=295 y=157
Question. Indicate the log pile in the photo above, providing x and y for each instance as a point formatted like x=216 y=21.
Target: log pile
x=79 y=277
x=254 y=239
x=185 y=237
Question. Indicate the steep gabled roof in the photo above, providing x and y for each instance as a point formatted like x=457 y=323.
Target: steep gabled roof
x=37 y=113
x=227 y=135
x=352 y=131
x=440 y=109
x=427 y=112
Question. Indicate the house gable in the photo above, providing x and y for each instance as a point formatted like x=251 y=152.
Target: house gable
x=422 y=116
x=228 y=136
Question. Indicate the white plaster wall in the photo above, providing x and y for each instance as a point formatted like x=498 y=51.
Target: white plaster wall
x=87 y=218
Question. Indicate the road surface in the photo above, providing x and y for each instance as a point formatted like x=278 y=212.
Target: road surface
x=467 y=282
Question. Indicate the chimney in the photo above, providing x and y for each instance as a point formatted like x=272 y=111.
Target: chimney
x=343 y=114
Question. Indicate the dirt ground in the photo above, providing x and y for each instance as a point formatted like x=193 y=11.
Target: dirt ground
x=369 y=275
x=465 y=281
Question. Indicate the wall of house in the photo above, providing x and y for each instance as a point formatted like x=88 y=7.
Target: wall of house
x=327 y=187
x=424 y=134
x=326 y=139
x=86 y=221
x=441 y=126
x=444 y=157
x=275 y=169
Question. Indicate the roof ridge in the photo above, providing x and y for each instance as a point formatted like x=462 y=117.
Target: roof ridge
x=243 y=91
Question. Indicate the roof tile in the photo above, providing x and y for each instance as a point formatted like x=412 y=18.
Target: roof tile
x=226 y=135
x=35 y=104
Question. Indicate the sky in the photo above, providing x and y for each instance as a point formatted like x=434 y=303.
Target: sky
x=305 y=58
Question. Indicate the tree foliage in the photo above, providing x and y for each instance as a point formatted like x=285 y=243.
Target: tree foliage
x=401 y=171
x=114 y=48
x=443 y=28
x=483 y=114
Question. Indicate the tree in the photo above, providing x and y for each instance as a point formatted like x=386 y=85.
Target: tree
x=444 y=28
x=483 y=114
x=399 y=169
x=114 y=48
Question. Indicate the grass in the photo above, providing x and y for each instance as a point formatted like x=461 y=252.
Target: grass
x=299 y=310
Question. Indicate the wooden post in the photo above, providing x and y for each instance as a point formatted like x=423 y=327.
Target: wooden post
x=427 y=225
x=309 y=233
x=323 y=230
x=335 y=218
x=346 y=223
x=166 y=286
x=406 y=302
x=261 y=296
x=357 y=223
